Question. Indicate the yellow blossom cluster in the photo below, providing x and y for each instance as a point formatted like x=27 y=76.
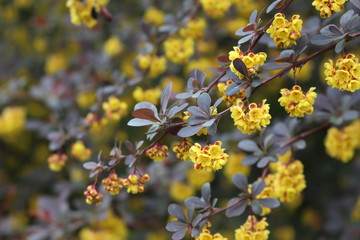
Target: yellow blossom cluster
x=57 y=161
x=284 y=32
x=151 y=95
x=211 y=158
x=134 y=183
x=153 y=64
x=92 y=195
x=154 y=16
x=328 y=7
x=85 y=99
x=253 y=229
x=340 y=143
x=113 y=184
x=215 y=8
x=344 y=74
x=114 y=108
x=182 y=149
x=206 y=235
x=157 y=152
x=296 y=102
x=251 y=60
x=267 y=192
x=194 y=28
x=94 y=122
x=113 y=46
x=85 y=12
x=230 y=100
x=252 y=118
x=179 y=50
x=79 y=151
x=12 y=120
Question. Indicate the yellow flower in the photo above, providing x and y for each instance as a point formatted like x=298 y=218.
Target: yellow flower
x=79 y=151
x=194 y=28
x=157 y=152
x=206 y=235
x=114 y=108
x=253 y=229
x=154 y=16
x=113 y=46
x=197 y=178
x=215 y=8
x=284 y=233
x=155 y=65
x=113 y=184
x=85 y=99
x=55 y=63
x=182 y=149
x=151 y=95
x=57 y=161
x=179 y=50
x=12 y=120
x=180 y=191
x=284 y=32
x=85 y=12
x=134 y=183
x=328 y=7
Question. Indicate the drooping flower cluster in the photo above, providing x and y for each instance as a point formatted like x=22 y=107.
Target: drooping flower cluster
x=340 y=143
x=179 y=50
x=252 y=118
x=194 y=28
x=135 y=184
x=289 y=181
x=296 y=102
x=157 y=152
x=79 y=151
x=57 y=161
x=182 y=149
x=344 y=74
x=251 y=60
x=328 y=7
x=206 y=235
x=215 y=8
x=114 y=108
x=253 y=229
x=12 y=120
x=211 y=158
x=230 y=100
x=113 y=184
x=155 y=65
x=93 y=196
x=284 y=32
x=84 y=12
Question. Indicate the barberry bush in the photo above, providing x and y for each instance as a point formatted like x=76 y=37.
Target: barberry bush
x=193 y=119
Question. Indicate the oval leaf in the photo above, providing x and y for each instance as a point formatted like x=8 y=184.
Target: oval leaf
x=240 y=181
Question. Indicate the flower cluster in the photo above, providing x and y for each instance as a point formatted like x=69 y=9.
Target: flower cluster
x=251 y=60
x=284 y=32
x=94 y=122
x=79 y=151
x=230 y=100
x=134 y=183
x=151 y=95
x=57 y=161
x=253 y=229
x=155 y=65
x=154 y=16
x=206 y=235
x=252 y=118
x=157 y=152
x=114 y=108
x=328 y=7
x=113 y=46
x=12 y=120
x=344 y=74
x=211 y=158
x=113 y=184
x=215 y=8
x=85 y=12
x=296 y=102
x=289 y=181
x=340 y=143
x=182 y=149
x=267 y=192
x=179 y=50
x=92 y=195
x=194 y=28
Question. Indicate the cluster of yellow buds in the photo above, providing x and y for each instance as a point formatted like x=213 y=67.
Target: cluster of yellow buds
x=252 y=118
x=92 y=195
x=328 y=7
x=157 y=152
x=215 y=8
x=154 y=16
x=230 y=100
x=151 y=95
x=206 y=235
x=153 y=64
x=194 y=28
x=253 y=229
x=114 y=108
x=289 y=181
x=179 y=50
x=94 y=122
x=182 y=150
x=113 y=184
x=284 y=32
x=267 y=192
x=79 y=151
x=134 y=183
x=85 y=12
x=57 y=161
x=340 y=143
x=344 y=74
x=296 y=102
x=251 y=60
x=204 y=129
x=12 y=120
x=211 y=158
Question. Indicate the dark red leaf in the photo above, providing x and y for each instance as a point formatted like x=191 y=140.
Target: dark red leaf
x=144 y=113
x=248 y=28
x=223 y=58
x=280 y=5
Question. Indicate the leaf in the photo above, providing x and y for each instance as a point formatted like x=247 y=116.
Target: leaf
x=176 y=211
x=175 y=226
x=189 y=131
x=147 y=105
x=301 y=144
x=204 y=102
x=179 y=235
x=322 y=39
x=256 y=207
x=272 y=6
x=130 y=160
x=165 y=96
x=340 y=46
x=174 y=110
x=257 y=187
x=212 y=129
x=269 y=202
x=233 y=88
x=350 y=115
x=273 y=66
x=252 y=18
x=197 y=219
x=197 y=112
x=206 y=192
x=240 y=66
x=90 y=165
x=217 y=103
x=196 y=202
x=356 y=3
x=236 y=210
x=183 y=95
x=223 y=58
x=250 y=160
x=209 y=122
x=195 y=232
x=249 y=27
x=248 y=91
x=249 y=146
x=136 y=122
x=240 y=181
x=263 y=162
x=145 y=113
x=245 y=39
